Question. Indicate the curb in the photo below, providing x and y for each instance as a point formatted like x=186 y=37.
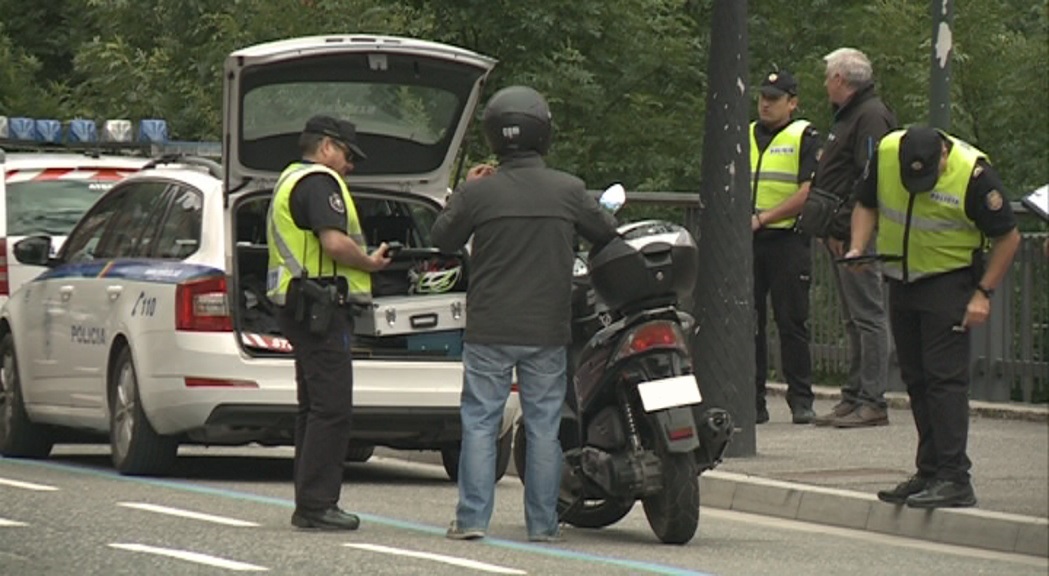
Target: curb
x=900 y=401
x=970 y=527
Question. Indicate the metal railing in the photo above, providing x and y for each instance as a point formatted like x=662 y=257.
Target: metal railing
x=1010 y=355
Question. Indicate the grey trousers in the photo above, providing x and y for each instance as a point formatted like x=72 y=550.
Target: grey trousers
x=867 y=328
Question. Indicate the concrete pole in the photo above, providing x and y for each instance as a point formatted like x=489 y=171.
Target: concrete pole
x=723 y=340
x=940 y=73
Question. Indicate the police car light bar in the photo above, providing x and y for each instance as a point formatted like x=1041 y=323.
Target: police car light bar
x=83 y=134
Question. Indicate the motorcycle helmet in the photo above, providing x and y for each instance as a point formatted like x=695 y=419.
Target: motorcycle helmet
x=517 y=119
x=434 y=277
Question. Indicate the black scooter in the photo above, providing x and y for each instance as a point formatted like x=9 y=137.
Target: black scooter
x=633 y=426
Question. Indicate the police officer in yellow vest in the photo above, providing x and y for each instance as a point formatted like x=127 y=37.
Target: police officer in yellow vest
x=783 y=154
x=318 y=268
x=934 y=200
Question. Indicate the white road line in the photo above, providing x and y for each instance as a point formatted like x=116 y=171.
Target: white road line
x=27 y=485
x=186 y=514
x=5 y=522
x=454 y=561
x=191 y=557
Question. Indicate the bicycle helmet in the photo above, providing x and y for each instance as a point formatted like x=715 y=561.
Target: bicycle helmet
x=434 y=277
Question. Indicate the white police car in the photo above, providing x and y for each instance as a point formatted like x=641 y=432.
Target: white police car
x=151 y=323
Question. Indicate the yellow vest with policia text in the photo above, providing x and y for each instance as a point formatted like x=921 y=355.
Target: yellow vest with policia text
x=292 y=249
x=930 y=229
x=774 y=172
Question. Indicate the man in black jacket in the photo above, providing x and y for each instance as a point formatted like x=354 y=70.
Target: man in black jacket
x=523 y=218
x=860 y=121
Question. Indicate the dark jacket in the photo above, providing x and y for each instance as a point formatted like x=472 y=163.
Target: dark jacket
x=523 y=219
x=854 y=136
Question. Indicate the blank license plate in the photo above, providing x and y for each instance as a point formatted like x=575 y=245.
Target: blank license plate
x=669 y=393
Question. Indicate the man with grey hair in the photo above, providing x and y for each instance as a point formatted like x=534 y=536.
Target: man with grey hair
x=860 y=121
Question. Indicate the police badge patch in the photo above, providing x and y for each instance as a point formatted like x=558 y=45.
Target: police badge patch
x=994 y=201
x=336 y=203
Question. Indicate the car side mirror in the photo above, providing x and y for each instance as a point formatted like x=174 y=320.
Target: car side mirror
x=34 y=251
x=613 y=198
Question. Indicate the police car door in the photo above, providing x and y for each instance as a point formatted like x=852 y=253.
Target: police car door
x=97 y=304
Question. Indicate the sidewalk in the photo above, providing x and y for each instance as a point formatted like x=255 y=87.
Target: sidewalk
x=830 y=476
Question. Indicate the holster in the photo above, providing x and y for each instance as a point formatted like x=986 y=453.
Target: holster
x=316 y=301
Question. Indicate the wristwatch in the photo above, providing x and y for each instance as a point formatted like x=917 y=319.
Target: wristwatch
x=985 y=291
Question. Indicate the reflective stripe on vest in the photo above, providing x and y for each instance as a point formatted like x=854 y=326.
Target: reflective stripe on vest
x=778 y=165
x=939 y=236
x=292 y=249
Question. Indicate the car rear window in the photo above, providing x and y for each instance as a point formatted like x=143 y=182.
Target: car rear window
x=53 y=205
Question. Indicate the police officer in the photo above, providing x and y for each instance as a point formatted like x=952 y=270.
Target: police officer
x=934 y=199
x=782 y=159
x=523 y=218
x=318 y=268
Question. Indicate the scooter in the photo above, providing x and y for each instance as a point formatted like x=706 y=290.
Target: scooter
x=633 y=425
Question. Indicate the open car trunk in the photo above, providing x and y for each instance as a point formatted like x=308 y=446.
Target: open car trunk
x=409 y=317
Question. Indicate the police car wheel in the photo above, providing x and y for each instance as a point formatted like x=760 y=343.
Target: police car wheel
x=136 y=447
x=450 y=457
x=19 y=437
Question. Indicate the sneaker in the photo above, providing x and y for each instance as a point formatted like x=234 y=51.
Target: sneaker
x=802 y=415
x=840 y=409
x=863 y=417
x=547 y=538
x=903 y=490
x=331 y=519
x=944 y=494
x=456 y=532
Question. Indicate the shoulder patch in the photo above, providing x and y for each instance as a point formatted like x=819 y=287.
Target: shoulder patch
x=336 y=203
x=977 y=171
x=994 y=201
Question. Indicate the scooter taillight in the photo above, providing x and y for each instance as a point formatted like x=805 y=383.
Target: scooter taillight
x=658 y=335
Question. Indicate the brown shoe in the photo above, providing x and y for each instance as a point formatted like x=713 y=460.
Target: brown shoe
x=862 y=417
x=840 y=409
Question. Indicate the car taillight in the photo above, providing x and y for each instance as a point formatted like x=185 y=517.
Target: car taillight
x=203 y=306
x=5 y=284
x=650 y=336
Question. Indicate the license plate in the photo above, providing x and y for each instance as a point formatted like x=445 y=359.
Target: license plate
x=669 y=393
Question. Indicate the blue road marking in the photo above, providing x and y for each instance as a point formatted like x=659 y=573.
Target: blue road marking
x=542 y=550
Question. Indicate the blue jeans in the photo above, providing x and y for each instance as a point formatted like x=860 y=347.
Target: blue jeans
x=488 y=372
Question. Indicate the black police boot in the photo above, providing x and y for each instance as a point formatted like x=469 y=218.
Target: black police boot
x=802 y=414
x=944 y=494
x=331 y=519
x=762 y=414
x=903 y=490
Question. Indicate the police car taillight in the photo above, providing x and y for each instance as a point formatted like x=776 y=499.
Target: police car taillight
x=203 y=306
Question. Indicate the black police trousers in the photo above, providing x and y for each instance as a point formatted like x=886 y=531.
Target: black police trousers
x=934 y=364
x=783 y=267
x=324 y=379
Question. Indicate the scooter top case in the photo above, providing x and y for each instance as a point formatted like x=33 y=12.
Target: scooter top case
x=414 y=314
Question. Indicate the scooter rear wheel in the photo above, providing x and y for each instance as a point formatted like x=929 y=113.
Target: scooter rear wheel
x=673 y=513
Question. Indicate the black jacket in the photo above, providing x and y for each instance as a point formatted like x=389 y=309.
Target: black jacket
x=523 y=220
x=858 y=127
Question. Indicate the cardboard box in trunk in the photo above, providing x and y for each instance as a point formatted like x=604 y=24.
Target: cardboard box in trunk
x=417 y=314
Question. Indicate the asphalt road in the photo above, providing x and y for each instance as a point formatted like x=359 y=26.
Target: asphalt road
x=227 y=511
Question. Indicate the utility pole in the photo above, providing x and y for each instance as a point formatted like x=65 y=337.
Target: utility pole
x=940 y=74
x=723 y=341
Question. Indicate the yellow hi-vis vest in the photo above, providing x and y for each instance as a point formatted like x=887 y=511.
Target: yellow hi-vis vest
x=774 y=172
x=930 y=230
x=292 y=249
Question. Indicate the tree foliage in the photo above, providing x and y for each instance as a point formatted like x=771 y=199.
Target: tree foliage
x=626 y=78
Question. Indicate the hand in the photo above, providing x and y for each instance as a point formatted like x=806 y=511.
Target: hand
x=837 y=247
x=380 y=259
x=755 y=223
x=480 y=171
x=853 y=253
x=977 y=311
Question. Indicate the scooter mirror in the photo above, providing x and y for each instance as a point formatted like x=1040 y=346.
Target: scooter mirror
x=613 y=198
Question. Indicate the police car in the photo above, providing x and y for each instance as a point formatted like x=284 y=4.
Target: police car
x=46 y=192
x=151 y=323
